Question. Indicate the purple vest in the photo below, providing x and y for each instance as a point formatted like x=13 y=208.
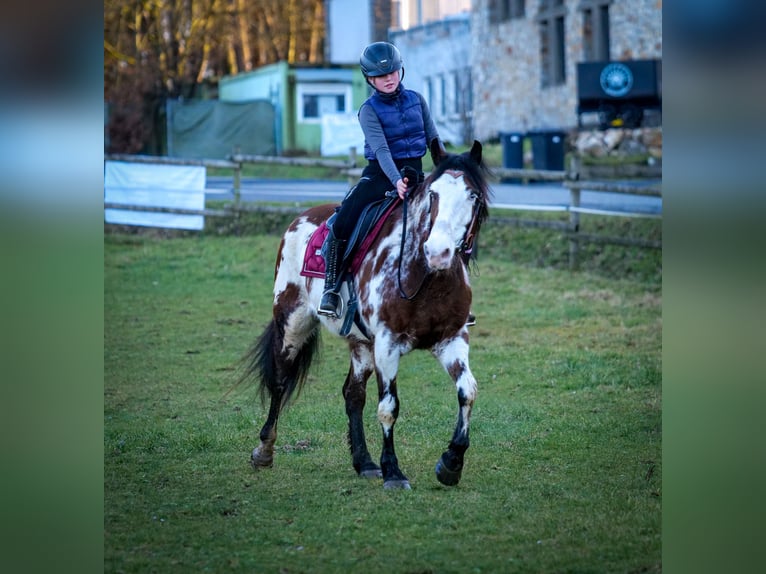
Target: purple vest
x=402 y=119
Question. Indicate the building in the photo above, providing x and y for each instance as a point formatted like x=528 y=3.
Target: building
x=437 y=63
x=484 y=66
x=408 y=14
x=301 y=94
x=524 y=56
x=352 y=24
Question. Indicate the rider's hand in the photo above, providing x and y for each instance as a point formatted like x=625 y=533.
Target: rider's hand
x=401 y=188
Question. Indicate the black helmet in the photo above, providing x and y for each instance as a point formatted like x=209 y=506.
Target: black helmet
x=380 y=59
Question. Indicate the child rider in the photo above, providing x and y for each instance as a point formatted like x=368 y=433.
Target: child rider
x=398 y=129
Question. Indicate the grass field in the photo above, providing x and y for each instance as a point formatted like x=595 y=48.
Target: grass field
x=564 y=470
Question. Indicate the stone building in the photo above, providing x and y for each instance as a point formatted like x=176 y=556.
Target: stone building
x=524 y=56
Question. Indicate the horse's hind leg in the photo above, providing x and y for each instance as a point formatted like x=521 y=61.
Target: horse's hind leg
x=280 y=359
x=454 y=358
x=355 y=394
x=263 y=454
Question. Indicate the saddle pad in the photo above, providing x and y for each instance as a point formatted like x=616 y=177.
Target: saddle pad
x=313 y=262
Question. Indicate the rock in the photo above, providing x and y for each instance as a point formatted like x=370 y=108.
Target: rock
x=613 y=138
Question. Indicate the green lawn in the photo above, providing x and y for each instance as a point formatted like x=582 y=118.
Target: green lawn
x=564 y=470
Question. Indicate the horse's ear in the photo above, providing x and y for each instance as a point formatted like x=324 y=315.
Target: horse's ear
x=476 y=151
x=437 y=151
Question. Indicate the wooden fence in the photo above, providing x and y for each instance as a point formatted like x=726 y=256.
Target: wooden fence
x=568 y=179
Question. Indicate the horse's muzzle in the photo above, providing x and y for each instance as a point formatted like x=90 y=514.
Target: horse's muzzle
x=439 y=260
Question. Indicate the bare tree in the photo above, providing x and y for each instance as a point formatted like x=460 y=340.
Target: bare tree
x=157 y=49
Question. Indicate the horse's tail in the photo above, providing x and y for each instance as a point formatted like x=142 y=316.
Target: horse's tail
x=277 y=374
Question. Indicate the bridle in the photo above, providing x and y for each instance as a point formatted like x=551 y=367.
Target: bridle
x=464 y=245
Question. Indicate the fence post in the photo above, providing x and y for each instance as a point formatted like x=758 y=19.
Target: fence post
x=237 y=178
x=574 y=216
x=574 y=228
x=237 y=183
x=352 y=156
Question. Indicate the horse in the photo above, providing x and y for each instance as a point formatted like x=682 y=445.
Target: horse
x=413 y=292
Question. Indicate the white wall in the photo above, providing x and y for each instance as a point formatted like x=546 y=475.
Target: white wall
x=417 y=12
x=349 y=30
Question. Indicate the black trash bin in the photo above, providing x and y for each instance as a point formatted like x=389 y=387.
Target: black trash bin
x=513 y=152
x=547 y=149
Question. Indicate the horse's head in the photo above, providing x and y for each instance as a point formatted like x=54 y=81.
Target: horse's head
x=458 y=195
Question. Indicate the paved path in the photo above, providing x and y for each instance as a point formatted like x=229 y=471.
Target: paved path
x=550 y=196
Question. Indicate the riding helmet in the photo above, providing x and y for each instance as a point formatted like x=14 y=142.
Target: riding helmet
x=380 y=59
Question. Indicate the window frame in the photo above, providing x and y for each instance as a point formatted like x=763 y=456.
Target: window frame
x=320 y=89
x=596 y=33
x=551 y=19
x=505 y=10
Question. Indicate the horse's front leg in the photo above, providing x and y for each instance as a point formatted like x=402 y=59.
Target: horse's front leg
x=355 y=394
x=453 y=356
x=387 y=366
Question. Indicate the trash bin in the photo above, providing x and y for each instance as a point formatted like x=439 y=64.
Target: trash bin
x=513 y=152
x=547 y=149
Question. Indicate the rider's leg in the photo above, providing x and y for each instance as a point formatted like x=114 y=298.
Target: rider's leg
x=334 y=247
x=332 y=250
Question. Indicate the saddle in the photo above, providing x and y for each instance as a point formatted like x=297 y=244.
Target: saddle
x=365 y=232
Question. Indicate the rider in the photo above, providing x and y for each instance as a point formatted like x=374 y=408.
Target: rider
x=398 y=129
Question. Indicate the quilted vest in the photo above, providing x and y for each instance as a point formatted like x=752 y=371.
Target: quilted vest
x=401 y=117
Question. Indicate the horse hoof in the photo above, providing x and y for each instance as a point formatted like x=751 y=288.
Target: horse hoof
x=446 y=476
x=371 y=473
x=260 y=460
x=397 y=484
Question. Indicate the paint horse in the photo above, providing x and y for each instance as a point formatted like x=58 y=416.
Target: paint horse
x=413 y=292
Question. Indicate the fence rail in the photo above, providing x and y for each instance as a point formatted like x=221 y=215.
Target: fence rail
x=569 y=179
x=300 y=161
x=166 y=160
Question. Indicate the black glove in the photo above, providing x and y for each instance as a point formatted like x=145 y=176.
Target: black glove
x=411 y=175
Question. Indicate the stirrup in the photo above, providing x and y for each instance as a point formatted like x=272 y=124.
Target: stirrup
x=335 y=313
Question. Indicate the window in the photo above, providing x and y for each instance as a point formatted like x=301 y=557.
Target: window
x=428 y=92
x=463 y=95
x=457 y=95
x=468 y=91
x=552 y=44
x=595 y=29
x=502 y=10
x=315 y=100
x=443 y=94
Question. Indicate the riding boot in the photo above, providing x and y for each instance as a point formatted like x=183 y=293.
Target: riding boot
x=332 y=250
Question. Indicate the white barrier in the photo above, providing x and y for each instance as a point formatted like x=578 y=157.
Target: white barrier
x=154 y=186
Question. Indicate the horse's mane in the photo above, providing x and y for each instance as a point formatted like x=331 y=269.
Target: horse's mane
x=478 y=174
